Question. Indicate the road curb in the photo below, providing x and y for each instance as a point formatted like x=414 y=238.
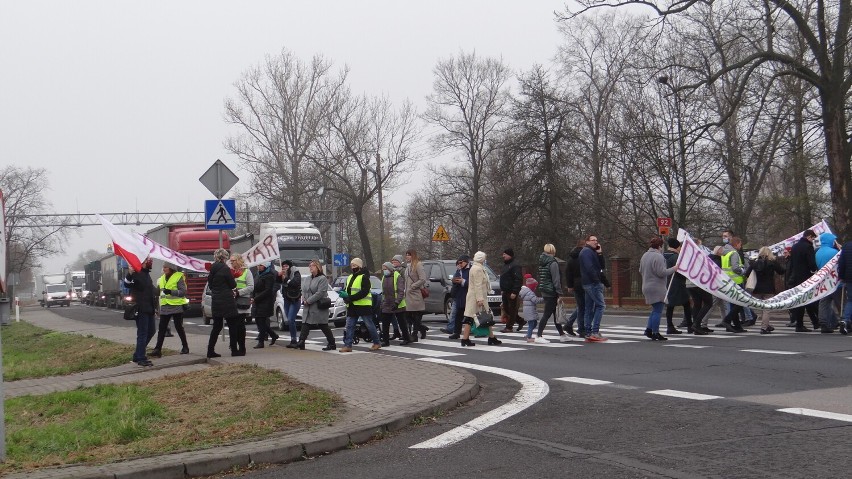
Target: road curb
x=271 y=450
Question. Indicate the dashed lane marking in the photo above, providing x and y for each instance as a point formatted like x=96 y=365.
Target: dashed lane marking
x=769 y=351
x=692 y=346
x=684 y=395
x=532 y=390
x=588 y=381
x=817 y=413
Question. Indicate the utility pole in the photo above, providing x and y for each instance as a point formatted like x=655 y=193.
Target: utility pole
x=382 y=257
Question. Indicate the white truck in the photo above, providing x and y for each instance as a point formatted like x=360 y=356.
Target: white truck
x=56 y=290
x=300 y=242
x=78 y=282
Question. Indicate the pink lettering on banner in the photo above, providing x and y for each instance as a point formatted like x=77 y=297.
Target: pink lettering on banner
x=266 y=250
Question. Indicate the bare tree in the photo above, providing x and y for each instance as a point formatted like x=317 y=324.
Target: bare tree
x=281 y=108
x=358 y=129
x=29 y=239
x=467 y=105
x=824 y=27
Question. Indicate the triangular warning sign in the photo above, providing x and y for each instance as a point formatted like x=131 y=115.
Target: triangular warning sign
x=220 y=216
x=441 y=234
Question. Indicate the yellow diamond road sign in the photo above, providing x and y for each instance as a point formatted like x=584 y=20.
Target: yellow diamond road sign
x=441 y=234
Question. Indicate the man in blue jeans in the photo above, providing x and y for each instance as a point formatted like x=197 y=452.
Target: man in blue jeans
x=356 y=294
x=591 y=276
x=142 y=290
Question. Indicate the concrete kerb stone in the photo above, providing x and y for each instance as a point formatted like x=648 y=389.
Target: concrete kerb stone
x=356 y=427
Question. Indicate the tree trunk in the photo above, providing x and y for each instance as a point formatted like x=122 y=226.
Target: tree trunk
x=838 y=156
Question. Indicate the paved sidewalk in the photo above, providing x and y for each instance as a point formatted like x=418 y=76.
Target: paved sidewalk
x=372 y=405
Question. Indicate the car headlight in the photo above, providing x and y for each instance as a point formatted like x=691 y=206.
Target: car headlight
x=339 y=303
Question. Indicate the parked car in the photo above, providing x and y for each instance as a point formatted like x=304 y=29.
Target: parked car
x=440 y=273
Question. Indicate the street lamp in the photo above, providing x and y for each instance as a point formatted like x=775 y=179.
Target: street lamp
x=681 y=218
x=378 y=172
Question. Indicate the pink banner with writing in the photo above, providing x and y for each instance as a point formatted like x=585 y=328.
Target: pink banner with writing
x=697 y=267
x=135 y=247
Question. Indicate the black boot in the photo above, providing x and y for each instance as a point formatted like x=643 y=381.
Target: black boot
x=184 y=349
x=330 y=347
x=493 y=341
x=213 y=354
x=259 y=345
x=467 y=342
x=659 y=337
x=156 y=353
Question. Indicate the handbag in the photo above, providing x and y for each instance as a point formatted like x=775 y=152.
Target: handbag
x=243 y=302
x=751 y=282
x=424 y=292
x=324 y=303
x=131 y=310
x=485 y=318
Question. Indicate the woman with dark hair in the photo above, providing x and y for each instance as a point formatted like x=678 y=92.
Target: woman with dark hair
x=315 y=288
x=766 y=267
x=291 y=290
x=653 y=269
x=223 y=301
x=263 y=299
x=415 y=306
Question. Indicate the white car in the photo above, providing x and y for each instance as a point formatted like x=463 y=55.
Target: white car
x=336 y=314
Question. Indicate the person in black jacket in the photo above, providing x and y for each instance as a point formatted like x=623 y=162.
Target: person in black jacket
x=291 y=291
x=223 y=300
x=802 y=266
x=263 y=300
x=575 y=284
x=142 y=290
x=511 y=280
x=765 y=268
x=677 y=294
x=844 y=272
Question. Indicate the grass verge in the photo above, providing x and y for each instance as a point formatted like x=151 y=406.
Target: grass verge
x=33 y=352
x=189 y=411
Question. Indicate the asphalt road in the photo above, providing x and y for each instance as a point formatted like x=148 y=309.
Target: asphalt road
x=626 y=408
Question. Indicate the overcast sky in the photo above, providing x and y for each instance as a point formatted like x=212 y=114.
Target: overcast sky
x=122 y=101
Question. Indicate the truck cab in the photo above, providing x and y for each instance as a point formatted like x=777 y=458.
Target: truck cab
x=300 y=242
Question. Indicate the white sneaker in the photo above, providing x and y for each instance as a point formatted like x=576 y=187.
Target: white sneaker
x=564 y=338
x=540 y=340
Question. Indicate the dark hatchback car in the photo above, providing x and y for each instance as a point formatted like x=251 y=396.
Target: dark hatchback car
x=440 y=273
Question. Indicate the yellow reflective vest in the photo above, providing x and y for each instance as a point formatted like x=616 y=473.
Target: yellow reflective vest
x=726 y=267
x=172 y=284
x=366 y=300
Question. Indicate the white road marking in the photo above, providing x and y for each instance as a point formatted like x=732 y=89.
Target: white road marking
x=684 y=395
x=590 y=382
x=693 y=346
x=523 y=342
x=817 y=413
x=479 y=346
x=431 y=353
x=768 y=351
x=532 y=390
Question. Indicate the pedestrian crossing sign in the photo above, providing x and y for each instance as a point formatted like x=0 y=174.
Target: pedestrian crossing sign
x=441 y=234
x=220 y=214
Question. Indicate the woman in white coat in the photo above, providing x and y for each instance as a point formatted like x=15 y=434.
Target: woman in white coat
x=477 y=300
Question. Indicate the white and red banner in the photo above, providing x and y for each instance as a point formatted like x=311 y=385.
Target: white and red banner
x=697 y=266
x=136 y=247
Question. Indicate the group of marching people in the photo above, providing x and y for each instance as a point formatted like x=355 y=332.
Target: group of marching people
x=663 y=287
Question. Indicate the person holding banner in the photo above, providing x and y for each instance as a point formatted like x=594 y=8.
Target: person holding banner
x=828 y=249
x=677 y=294
x=765 y=267
x=142 y=289
x=223 y=301
x=732 y=265
x=802 y=266
x=652 y=267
